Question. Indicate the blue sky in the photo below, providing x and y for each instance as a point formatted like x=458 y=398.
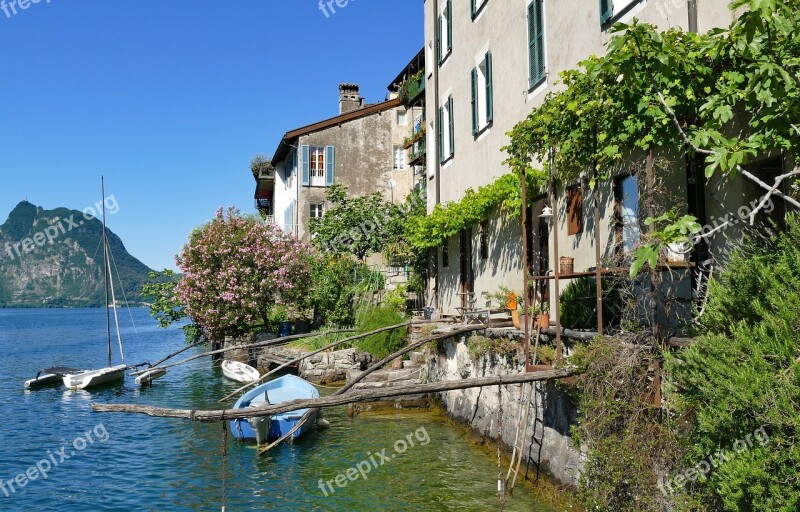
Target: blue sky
x=170 y=99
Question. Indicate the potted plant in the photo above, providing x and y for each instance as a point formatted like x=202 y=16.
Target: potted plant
x=543 y=315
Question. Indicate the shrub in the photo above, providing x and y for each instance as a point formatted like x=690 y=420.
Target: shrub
x=743 y=374
x=384 y=343
x=579 y=304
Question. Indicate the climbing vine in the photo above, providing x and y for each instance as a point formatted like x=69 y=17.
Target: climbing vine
x=727 y=96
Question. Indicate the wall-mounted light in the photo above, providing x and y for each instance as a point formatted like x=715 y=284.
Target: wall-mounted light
x=547 y=214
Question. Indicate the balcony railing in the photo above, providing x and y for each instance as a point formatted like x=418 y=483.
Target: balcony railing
x=412 y=88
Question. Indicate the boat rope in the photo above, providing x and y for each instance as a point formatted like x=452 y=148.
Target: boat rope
x=124 y=295
x=224 y=456
x=501 y=483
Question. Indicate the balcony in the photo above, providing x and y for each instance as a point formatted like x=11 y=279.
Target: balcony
x=417 y=153
x=412 y=88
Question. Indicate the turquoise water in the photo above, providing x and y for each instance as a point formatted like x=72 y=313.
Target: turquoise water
x=143 y=463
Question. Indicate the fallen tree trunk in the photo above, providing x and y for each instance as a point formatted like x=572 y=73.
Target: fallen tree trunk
x=310 y=354
x=361 y=376
x=333 y=400
x=258 y=344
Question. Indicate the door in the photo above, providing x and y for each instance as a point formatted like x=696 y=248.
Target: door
x=466 y=277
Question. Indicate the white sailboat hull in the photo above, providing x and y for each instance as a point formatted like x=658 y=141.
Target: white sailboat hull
x=91 y=378
x=239 y=372
x=149 y=376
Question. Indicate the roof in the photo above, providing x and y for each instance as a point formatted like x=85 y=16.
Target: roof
x=283 y=147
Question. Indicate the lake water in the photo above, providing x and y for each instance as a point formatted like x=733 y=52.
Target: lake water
x=126 y=462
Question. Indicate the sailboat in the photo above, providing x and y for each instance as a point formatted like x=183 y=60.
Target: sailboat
x=89 y=378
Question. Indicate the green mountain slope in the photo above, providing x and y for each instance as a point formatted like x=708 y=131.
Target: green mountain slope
x=53 y=258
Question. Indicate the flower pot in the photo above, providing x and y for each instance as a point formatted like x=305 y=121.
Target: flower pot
x=543 y=320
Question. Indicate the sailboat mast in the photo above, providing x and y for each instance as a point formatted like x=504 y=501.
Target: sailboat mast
x=105 y=267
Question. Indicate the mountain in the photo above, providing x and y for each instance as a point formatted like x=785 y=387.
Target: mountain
x=54 y=258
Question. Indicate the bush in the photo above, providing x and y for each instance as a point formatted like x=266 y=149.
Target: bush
x=579 y=304
x=382 y=344
x=743 y=374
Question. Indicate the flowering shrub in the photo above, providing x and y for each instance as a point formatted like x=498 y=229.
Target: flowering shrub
x=236 y=269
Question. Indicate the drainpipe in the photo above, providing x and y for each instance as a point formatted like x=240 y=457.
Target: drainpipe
x=436 y=142
x=692 y=8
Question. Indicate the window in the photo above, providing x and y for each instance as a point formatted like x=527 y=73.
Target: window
x=445 y=31
x=446 y=131
x=482 y=101
x=318 y=166
x=574 y=210
x=627 y=201
x=536 y=53
x=399 y=158
x=612 y=8
x=402 y=118
x=289 y=169
x=317 y=210
x=445 y=255
x=484 y=240
x=477 y=6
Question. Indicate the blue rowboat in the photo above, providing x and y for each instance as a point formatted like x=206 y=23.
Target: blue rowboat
x=282 y=389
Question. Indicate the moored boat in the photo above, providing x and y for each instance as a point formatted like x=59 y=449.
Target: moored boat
x=149 y=376
x=282 y=389
x=239 y=372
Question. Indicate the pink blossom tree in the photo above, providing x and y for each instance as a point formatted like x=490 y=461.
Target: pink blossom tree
x=236 y=269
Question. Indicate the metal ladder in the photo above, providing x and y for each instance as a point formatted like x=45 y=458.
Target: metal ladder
x=538 y=430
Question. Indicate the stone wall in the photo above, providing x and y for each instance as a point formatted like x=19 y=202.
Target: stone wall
x=551 y=415
x=332 y=367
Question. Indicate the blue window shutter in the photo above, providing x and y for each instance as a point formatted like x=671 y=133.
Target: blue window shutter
x=606 y=10
x=306 y=157
x=536 y=42
x=451 y=122
x=449 y=12
x=475 y=115
x=330 y=165
x=442 y=156
x=489 y=91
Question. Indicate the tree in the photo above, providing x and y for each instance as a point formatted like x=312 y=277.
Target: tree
x=359 y=226
x=165 y=306
x=236 y=269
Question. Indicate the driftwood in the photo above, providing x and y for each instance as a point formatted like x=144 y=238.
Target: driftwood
x=257 y=344
x=310 y=354
x=333 y=400
x=361 y=376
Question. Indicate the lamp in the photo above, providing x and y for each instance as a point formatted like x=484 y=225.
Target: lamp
x=547 y=213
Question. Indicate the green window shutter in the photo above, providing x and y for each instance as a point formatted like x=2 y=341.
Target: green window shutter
x=536 y=42
x=442 y=156
x=606 y=10
x=449 y=13
x=489 y=92
x=439 y=38
x=473 y=8
x=306 y=156
x=475 y=116
x=329 y=165
x=452 y=124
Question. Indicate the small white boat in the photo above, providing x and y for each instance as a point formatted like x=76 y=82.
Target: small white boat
x=150 y=375
x=239 y=372
x=90 y=378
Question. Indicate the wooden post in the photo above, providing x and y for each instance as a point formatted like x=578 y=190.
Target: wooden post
x=556 y=263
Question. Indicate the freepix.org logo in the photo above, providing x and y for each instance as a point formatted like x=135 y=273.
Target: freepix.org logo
x=12 y=7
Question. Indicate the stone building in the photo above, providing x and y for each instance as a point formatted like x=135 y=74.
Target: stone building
x=357 y=148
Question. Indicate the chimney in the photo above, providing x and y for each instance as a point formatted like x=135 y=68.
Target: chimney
x=349 y=99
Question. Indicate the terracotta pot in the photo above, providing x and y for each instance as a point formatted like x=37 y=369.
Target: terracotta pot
x=515 y=318
x=544 y=320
